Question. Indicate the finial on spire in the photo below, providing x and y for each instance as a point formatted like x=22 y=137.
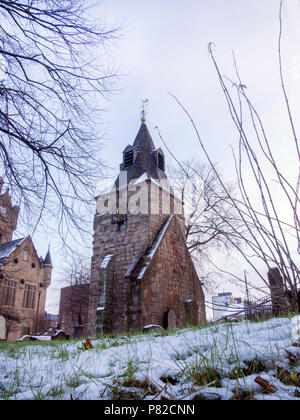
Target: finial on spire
x=143 y=113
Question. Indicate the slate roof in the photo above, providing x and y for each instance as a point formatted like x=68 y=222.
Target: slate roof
x=48 y=260
x=145 y=161
x=8 y=248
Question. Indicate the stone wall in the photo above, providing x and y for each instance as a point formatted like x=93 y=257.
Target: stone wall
x=125 y=246
x=169 y=284
x=24 y=273
x=171 y=280
x=8 y=217
x=73 y=310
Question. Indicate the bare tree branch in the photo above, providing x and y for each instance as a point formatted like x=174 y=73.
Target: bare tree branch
x=55 y=79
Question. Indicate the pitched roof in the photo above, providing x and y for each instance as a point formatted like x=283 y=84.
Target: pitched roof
x=48 y=260
x=143 y=141
x=145 y=160
x=8 y=248
x=143 y=260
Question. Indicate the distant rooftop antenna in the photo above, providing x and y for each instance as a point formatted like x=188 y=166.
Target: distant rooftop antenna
x=143 y=113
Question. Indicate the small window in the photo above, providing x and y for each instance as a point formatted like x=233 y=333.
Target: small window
x=25 y=256
x=128 y=158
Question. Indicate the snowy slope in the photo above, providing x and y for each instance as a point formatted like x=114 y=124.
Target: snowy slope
x=230 y=357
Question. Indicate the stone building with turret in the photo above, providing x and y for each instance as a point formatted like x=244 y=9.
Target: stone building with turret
x=141 y=272
x=24 y=276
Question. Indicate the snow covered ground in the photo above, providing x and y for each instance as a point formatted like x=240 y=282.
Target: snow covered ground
x=229 y=357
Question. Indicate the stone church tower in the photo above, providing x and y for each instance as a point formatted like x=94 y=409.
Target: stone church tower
x=8 y=216
x=141 y=271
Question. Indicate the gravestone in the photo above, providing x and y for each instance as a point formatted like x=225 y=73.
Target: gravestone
x=2 y=328
x=78 y=331
x=171 y=320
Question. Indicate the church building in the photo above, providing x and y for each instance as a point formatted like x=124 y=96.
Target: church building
x=24 y=277
x=141 y=270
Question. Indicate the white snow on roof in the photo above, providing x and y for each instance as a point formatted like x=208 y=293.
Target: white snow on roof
x=36 y=337
x=143 y=270
x=133 y=265
x=152 y=326
x=7 y=248
x=160 y=236
x=154 y=247
x=144 y=177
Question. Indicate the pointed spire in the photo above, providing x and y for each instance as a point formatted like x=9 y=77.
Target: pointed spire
x=143 y=141
x=141 y=159
x=48 y=260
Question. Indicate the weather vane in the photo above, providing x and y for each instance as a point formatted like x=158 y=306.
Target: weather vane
x=143 y=113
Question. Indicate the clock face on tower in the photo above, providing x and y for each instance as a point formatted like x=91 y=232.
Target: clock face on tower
x=3 y=210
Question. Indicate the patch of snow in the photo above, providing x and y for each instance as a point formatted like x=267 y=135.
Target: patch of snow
x=36 y=337
x=142 y=272
x=7 y=248
x=296 y=329
x=144 y=177
x=36 y=371
x=152 y=325
x=106 y=261
x=154 y=247
x=42 y=337
x=133 y=265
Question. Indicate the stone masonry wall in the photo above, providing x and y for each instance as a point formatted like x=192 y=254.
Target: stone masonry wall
x=73 y=308
x=125 y=246
x=129 y=296
x=24 y=272
x=171 y=282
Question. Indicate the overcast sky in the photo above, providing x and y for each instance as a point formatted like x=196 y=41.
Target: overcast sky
x=163 y=46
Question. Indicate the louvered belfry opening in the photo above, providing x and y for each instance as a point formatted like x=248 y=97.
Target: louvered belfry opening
x=161 y=162
x=128 y=158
